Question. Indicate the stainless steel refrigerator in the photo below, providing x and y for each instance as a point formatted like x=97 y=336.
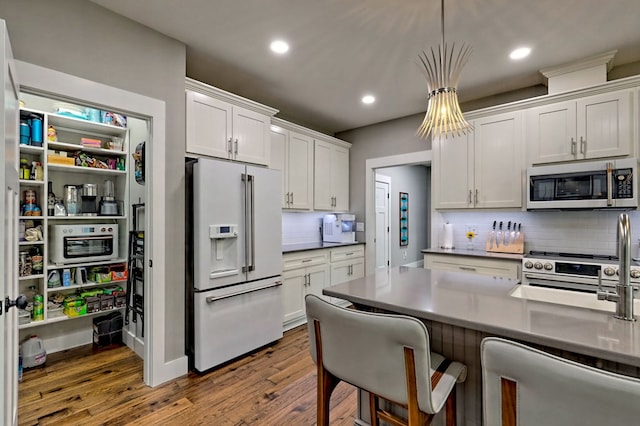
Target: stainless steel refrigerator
x=234 y=260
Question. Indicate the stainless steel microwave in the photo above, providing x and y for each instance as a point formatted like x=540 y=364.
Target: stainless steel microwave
x=83 y=243
x=584 y=185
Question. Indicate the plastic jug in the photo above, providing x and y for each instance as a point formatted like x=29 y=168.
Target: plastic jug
x=33 y=352
x=53 y=280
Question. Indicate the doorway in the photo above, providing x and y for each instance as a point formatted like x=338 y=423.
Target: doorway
x=383 y=226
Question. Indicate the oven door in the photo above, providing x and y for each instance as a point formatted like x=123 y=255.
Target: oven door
x=87 y=248
x=566 y=282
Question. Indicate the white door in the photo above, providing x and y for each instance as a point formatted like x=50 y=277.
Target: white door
x=383 y=242
x=8 y=234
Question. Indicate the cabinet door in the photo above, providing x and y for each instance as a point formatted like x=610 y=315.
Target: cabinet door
x=322 y=195
x=278 y=159
x=357 y=268
x=604 y=125
x=340 y=272
x=498 y=162
x=250 y=136
x=300 y=165
x=551 y=133
x=208 y=126
x=340 y=178
x=318 y=280
x=453 y=171
x=293 y=291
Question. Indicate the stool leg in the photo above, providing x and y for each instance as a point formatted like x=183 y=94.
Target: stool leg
x=373 y=409
x=450 y=408
x=327 y=382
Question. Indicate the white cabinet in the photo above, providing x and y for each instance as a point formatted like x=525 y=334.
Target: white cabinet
x=303 y=273
x=505 y=268
x=597 y=126
x=347 y=263
x=331 y=176
x=292 y=153
x=223 y=125
x=482 y=169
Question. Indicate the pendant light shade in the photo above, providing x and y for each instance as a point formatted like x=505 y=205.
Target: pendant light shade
x=442 y=68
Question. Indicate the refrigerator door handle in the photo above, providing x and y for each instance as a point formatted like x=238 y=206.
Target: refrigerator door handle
x=252 y=217
x=211 y=299
x=247 y=236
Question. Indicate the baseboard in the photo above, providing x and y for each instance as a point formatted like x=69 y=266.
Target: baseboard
x=416 y=264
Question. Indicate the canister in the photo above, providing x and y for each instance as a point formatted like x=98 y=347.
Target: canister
x=38 y=307
x=35 y=121
x=24 y=264
x=29 y=196
x=25 y=132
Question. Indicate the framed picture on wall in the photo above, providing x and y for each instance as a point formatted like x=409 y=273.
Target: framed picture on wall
x=404 y=218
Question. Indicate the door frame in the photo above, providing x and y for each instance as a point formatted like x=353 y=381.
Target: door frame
x=49 y=82
x=410 y=158
x=387 y=236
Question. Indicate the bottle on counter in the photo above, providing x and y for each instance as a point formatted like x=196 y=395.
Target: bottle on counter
x=25 y=170
x=51 y=200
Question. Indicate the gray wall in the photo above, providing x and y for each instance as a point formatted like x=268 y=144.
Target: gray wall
x=80 y=38
x=416 y=181
x=379 y=140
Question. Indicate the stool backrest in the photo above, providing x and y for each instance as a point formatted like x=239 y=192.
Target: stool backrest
x=367 y=350
x=525 y=386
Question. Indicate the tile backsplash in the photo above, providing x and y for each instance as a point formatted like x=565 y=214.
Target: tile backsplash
x=301 y=227
x=567 y=231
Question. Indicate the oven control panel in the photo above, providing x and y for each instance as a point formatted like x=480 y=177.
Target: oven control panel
x=579 y=269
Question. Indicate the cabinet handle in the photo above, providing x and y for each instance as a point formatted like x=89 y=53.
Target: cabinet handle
x=229 y=142
x=306 y=260
x=574 y=147
x=476 y=198
x=583 y=145
x=467 y=268
x=286 y=199
x=291 y=198
x=309 y=280
x=470 y=193
x=235 y=150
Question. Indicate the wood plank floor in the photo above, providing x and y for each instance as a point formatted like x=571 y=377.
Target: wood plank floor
x=274 y=386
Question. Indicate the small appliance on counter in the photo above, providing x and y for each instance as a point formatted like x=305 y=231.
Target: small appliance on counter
x=108 y=204
x=339 y=228
x=88 y=205
x=71 y=200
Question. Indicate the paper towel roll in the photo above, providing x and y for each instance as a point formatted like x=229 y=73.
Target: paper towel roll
x=447 y=236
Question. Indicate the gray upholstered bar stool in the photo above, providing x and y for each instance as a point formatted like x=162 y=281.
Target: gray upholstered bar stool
x=385 y=355
x=525 y=386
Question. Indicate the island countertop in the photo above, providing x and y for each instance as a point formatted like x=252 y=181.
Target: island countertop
x=483 y=304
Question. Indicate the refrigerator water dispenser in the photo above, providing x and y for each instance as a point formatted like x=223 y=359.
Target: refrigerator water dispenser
x=224 y=250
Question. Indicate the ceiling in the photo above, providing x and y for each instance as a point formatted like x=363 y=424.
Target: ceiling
x=343 y=49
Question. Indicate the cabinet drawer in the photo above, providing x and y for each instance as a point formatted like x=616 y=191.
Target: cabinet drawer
x=492 y=267
x=304 y=259
x=345 y=253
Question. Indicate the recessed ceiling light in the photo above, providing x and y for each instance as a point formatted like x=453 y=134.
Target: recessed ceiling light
x=368 y=99
x=279 y=46
x=520 y=52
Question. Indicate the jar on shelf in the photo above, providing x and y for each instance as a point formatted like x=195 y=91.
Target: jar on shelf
x=24 y=264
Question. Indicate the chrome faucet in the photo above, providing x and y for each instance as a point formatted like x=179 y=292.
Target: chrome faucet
x=623 y=296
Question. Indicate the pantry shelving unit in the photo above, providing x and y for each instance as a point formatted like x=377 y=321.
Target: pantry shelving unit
x=70 y=131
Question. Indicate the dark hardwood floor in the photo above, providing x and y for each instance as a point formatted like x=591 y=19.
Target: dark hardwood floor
x=274 y=386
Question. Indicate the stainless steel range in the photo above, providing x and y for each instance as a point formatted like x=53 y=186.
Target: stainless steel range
x=573 y=271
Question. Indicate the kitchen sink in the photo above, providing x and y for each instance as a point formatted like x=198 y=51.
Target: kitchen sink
x=566 y=297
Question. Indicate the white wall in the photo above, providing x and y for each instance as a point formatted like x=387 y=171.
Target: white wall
x=80 y=38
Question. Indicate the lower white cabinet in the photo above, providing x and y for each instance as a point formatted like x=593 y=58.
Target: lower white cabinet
x=506 y=268
x=310 y=271
x=303 y=273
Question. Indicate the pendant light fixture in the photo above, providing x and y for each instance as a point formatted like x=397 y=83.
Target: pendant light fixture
x=442 y=68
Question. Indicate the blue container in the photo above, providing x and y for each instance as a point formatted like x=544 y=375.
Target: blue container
x=36 y=130
x=25 y=132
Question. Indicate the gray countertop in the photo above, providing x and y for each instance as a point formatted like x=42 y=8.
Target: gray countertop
x=289 y=248
x=483 y=304
x=475 y=253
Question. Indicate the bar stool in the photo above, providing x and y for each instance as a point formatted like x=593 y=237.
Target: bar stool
x=385 y=355
x=526 y=386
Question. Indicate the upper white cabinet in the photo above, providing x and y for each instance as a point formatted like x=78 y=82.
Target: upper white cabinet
x=482 y=169
x=292 y=153
x=597 y=126
x=220 y=124
x=331 y=176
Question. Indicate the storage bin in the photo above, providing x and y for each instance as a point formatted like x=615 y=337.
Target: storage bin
x=106 y=302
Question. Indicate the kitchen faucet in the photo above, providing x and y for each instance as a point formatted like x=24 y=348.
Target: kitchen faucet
x=623 y=296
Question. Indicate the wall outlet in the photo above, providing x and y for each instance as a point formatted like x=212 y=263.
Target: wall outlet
x=404 y=254
x=359 y=226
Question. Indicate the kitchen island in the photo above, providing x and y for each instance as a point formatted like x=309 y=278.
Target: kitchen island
x=461 y=309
